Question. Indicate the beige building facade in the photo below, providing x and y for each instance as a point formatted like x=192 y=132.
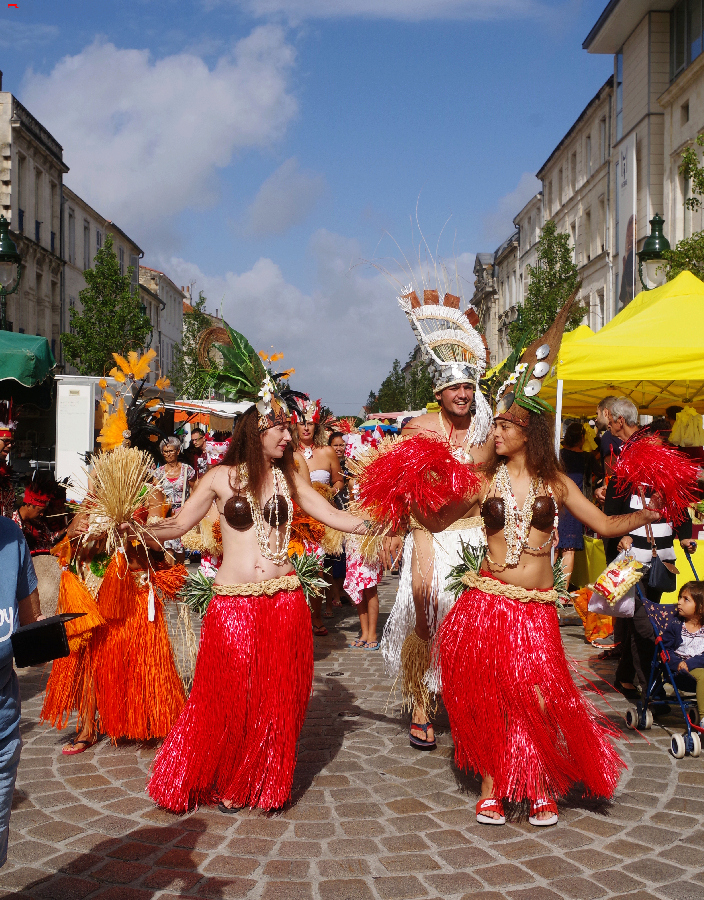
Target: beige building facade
x=31 y=183
x=157 y=285
x=654 y=103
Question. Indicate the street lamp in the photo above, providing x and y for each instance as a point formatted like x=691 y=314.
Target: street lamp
x=10 y=269
x=652 y=255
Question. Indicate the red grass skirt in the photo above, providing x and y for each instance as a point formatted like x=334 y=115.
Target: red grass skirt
x=493 y=652
x=236 y=738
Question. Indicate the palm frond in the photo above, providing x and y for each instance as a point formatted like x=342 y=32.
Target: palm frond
x=471 y=559
x=309 y=572
x=197 y=592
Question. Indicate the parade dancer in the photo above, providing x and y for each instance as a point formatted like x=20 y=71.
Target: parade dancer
x=517 y=718
x=456 y=355
x=235 y=742
x=120 y=676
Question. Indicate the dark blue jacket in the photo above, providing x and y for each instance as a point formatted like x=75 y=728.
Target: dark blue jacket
x=672 y=639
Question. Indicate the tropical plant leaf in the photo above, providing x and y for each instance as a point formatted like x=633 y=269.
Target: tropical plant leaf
x=471 y=559
x=309 y=572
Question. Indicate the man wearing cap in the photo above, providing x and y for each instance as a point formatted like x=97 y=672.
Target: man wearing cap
x=30 y=518
x=456 y=357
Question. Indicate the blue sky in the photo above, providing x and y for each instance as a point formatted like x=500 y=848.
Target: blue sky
x=264 y=148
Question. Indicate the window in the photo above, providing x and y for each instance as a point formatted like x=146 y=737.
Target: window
x=619 y=95
x=684 y=113
x=98 y=239
x=53 y=217
x=601 y=225
x=573 y=230
x=122 y=260
x=559 y=187
x=550 y=197
x=602 y=141
x=71 y=236
x=686 y=44
x=588 y=154
x=588 y=234
x=20 y=192
x=37 y=205
x=86 y=244
x=599 y=309
x=573 y=172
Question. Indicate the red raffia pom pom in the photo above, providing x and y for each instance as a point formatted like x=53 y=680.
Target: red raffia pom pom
x=420 y=470
x=649 y=463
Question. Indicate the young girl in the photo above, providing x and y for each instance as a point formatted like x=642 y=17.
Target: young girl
x=684 y=638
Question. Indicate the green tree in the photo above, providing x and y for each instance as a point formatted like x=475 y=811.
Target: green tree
x=688 y=254
x=392 y=393
x=187 y=377
x=111 y=320
x=419 y=387
x=552 y=281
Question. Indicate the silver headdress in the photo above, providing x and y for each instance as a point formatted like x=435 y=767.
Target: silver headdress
x=454 y=350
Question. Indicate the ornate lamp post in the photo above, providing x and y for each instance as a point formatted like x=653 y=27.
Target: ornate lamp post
x=10 y=269
x=652 y=255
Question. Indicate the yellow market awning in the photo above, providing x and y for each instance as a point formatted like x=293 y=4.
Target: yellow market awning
x=652 y=352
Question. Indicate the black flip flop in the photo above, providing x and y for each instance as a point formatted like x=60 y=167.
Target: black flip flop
x=419 y=744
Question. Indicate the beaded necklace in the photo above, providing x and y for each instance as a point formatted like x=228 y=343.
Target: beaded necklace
x=280 y=553
x=517 y=523
x=459 y=452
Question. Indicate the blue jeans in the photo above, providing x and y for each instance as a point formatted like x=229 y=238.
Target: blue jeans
x=10 y=749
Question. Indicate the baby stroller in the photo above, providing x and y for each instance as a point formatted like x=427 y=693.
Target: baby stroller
x=640 y=716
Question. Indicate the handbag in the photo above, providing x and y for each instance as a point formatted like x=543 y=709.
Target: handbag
x=662 y=575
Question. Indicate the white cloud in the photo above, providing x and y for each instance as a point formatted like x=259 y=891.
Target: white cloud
x=286 y=198
x=341 y=338
x=145 y=138
x=401 y=10
x=498 y=224
x=25 y=36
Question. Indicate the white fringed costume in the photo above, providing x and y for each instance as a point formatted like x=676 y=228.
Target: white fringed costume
x=456 y=354
x=400 y=626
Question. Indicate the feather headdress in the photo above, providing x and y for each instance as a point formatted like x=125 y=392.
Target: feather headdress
x=518 y=395
x=455 y=352
x=135 y=420
x=238 y=371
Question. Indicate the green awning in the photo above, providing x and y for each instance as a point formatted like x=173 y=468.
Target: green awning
x=25 y=358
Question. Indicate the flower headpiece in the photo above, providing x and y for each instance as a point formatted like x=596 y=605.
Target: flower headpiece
x=7 y=422
x=240 y=374
x=36 y=496
x=455 y=352
x=128 y=415
x=518 y=395
x=308 y=411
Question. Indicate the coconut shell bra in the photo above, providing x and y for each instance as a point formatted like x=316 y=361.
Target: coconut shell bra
x=238 y=513
x=494 y=513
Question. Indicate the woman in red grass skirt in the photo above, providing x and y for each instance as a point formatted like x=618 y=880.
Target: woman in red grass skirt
x=235 y=741
x=517 y=717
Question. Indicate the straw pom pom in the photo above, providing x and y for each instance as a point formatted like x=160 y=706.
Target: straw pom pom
x=648 y=463
x=421 y=470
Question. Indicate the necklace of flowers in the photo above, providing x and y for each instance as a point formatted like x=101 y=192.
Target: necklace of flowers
x=517 y=524
x=280 y=553
x=459 y=452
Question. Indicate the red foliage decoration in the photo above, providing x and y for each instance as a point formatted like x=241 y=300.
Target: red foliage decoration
x=420 y=470
x=649 y=463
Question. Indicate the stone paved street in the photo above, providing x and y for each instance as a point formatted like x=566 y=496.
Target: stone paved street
x=371 y=818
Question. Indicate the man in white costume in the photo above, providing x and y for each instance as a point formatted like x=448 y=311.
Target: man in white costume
x=456 y=355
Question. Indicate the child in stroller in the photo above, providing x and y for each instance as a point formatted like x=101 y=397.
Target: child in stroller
x=684 y=640
x=676 y=657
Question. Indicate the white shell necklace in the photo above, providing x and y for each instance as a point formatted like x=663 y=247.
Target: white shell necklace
x=459 y=452
x=307 y=452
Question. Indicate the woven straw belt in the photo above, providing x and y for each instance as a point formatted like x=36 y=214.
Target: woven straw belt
x=258 y=588
x=512 y=591
x=459 y=525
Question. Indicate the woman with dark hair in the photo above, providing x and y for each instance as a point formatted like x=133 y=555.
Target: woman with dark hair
x=235 y=742
x=517 y=718
x=578 y=467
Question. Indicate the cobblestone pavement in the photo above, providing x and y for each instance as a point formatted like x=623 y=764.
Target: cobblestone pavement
x=370 y=818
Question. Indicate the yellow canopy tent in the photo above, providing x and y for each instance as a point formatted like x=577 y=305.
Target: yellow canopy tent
x=652 y=352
